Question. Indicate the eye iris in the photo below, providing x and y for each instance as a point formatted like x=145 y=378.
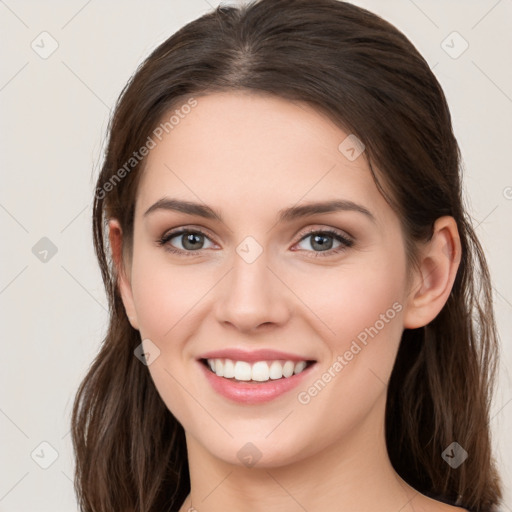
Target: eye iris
x=190 y=239
x=322 y=245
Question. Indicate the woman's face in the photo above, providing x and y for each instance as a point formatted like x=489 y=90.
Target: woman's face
x=258 y=280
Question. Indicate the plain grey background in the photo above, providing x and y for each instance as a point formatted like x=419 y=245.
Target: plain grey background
x=64 y=64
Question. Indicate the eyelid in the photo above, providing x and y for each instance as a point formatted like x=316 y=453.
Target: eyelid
x=172 y=233
x=325 y=229
x=344 y=240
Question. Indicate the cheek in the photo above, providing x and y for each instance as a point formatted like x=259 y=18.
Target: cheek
x=169 y=302
x=362 y=306
x=166 y=301
x=370 y=307
x=351 y=299
x=365 y=312
x=165 y=294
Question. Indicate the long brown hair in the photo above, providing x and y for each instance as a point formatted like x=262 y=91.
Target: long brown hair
x=368 y=78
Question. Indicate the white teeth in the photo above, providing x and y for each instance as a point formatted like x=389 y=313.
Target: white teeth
x=229 y=369
x=260 y=371
x=219 y=367
x=299 y=367
x=276 y=370
x=288 y=368
x=242 y=371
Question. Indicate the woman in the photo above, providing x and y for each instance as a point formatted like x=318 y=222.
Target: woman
x=296 y=320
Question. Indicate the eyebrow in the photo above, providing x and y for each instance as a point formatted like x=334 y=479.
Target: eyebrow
x=285 y=215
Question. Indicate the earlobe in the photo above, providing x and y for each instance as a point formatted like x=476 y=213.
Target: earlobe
x=123 y=282
x=439 y=262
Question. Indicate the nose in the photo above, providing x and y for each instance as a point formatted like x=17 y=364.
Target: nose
x=252 y=297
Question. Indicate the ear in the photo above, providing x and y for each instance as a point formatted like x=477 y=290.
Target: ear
x=123 y=281
x=433 y=281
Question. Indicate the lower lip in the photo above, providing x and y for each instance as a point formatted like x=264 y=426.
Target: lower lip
x=253 y=392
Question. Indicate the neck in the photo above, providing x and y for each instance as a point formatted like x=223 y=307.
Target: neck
x=355 y=473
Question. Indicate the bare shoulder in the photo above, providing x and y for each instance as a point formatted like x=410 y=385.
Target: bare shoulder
x=444 y=507
x=423 y=503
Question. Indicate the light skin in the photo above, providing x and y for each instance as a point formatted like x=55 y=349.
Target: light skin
x=249 y=156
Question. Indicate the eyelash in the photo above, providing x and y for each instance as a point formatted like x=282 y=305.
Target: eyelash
x=345 y=242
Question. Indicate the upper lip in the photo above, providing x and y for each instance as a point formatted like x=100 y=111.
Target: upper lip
x=237 y=354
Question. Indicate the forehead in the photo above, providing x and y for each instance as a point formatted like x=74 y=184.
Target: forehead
x=258 y=152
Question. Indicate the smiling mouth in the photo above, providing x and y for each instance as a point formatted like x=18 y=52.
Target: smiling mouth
x=257 y=372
